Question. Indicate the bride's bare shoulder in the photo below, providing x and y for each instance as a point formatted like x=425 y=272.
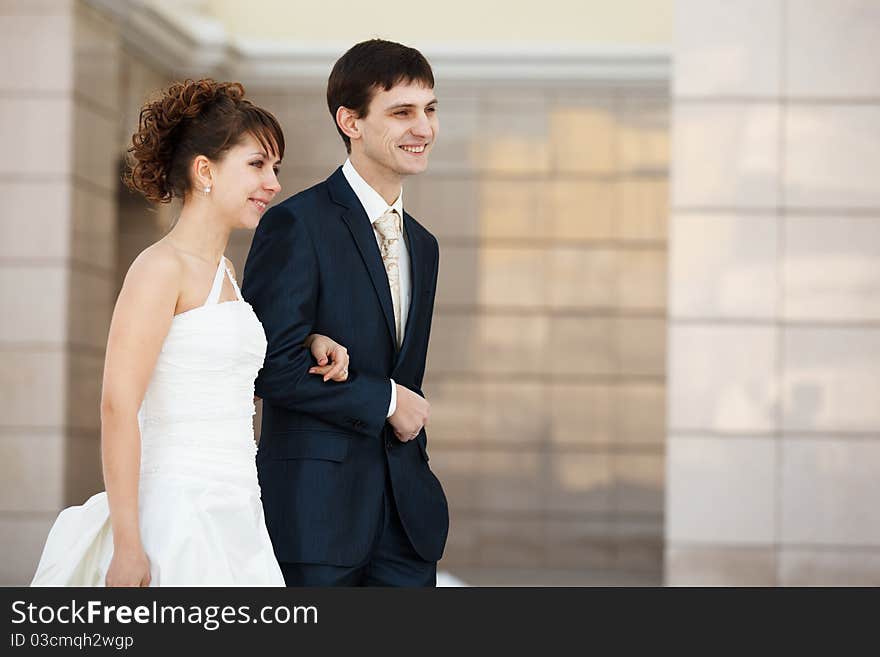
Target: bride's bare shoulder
x=158 y=263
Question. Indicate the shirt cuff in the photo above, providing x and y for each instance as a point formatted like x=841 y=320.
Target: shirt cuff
x=393 y=405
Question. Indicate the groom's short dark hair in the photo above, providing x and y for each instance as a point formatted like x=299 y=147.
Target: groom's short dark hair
x=370 y=65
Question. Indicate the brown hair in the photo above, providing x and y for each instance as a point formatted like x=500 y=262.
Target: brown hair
x=188 y=119
x=370 y=65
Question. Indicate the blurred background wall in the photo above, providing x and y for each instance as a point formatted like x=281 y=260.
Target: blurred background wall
x=774 y=343
x=59 y=147
x=626 y=22
x=548 y=191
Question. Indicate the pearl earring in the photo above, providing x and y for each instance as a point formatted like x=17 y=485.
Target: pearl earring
x=208 y=189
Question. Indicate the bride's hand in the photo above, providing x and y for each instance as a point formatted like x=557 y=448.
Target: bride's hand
x=128 y=567
x=332 y=358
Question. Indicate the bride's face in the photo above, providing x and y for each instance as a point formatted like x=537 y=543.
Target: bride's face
x=244 y=182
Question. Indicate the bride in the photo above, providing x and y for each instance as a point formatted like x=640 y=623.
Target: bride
x=182 y=501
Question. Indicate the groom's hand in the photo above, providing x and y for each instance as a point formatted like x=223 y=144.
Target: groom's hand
x=411 y=414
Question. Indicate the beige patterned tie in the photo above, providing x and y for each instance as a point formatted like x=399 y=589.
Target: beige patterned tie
x=388 y=227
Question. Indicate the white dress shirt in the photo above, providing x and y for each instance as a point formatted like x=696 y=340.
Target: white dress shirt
x=375 y=206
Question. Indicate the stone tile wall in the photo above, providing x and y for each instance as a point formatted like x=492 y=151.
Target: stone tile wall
x=774 y=343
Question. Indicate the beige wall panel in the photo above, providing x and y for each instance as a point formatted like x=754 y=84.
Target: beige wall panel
x=640 y=208
x=584 y=345
x=515 y=413
x=448 y=207
x=512 y=541
x=459 y=278
x=721 y=490
x=580 y=543
x=96 y=63
x=581 y=278
x=517 y=140
x=644 y=22
x=34 y=299
x=513 y=344
x=830 y=490
x=643 y=135
x=94 y=228
x=582 y=414
x=638 y=546
x=511 y=481
x=578 y=210
x=457 y=408
x=640 y=414
x=458 y=469
x=831 y=155
x=726 y=155
x=584 y=139
x=724 y=266
x=455 y=345
x=33 y=471
x=831 y=48
x=22 y=537
x=688 y=565
x=640 y=345
x=723 y=377
x=823 y=567
x=831 y=380
x=34 y=388
x=511 y=209
x=727 y=48
x=580 y=482
x=642 y=280
x=35 y=51
x=511 y=277
x=86 y=370
x=462 y=542
x=94 y=147
x=639 y=481
x=34 y=219
x=832 y=268
x=91 y=305
x=36 y=134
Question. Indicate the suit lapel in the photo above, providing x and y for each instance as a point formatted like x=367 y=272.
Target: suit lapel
x=362 y=231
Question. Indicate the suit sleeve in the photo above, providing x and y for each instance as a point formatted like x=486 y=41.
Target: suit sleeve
x=281 y=282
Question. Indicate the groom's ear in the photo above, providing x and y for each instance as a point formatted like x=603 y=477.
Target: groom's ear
x=347 y=120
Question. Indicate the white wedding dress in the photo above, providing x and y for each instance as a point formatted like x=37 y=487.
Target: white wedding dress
x=201 y=519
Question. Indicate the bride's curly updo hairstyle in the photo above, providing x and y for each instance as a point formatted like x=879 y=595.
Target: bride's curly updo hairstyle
x=188 y=119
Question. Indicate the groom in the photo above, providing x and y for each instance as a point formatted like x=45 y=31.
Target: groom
x=348 y=495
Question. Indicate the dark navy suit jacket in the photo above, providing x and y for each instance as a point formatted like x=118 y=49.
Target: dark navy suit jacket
x=314 y=267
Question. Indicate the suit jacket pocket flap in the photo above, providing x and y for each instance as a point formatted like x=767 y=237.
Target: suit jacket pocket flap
x=308 y=445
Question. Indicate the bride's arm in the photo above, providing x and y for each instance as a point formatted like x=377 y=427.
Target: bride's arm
x=141 y=320
x=332 y=357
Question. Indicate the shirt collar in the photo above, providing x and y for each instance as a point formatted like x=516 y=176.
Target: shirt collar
x=374 y=205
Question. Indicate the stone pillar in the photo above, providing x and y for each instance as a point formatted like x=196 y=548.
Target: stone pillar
x=58 y=127
x=773 y=470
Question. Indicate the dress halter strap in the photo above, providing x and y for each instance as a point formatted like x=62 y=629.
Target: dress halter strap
x=232 y=280
x=217 y=287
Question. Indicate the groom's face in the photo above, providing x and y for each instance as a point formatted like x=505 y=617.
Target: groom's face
x=400 y=128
